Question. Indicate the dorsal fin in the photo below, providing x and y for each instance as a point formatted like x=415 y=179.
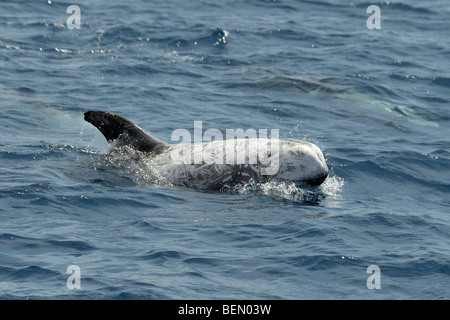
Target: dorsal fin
x=117 y=128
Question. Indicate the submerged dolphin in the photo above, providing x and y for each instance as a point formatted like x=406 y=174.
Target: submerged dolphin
x=285 y=160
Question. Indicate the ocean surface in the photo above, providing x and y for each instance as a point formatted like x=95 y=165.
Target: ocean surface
x=376 y=101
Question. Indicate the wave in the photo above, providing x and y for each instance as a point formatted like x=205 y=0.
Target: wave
x=442 y=82
x=397 y=6
x=407 y=168
x=280 y=83
x=198 y=36
x=22 y=243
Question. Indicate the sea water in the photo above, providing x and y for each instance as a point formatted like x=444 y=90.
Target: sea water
x=79 y=223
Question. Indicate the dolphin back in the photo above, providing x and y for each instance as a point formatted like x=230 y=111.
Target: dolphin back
x=117 y=128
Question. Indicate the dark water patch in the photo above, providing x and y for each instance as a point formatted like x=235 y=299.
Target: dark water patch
x=17 y=242
x=273 y=5
x=292 y=35
x=71 y=245
x=218 y=39
x=278 y=83
x=405 y=77
x=160 y=257
x=377 y=90
x=440 y=153
x=34 y=273
x=372 y=168
x=418 y=267
x=147 y=226
x=198 y=37
x=399 y=7
x=434 y=99
x=135 y=292
x=403 y=64
x=412 y=165
x=222 y=61
x=132 y=296
x=442 y=82
x=37 y=152
x=121 y=34
x=25 y=90
x=88 y=201
x=420 y=175
x=122 y=69
x=324 y=4
x=321 y=262
x=203 y=262
x=23 y=191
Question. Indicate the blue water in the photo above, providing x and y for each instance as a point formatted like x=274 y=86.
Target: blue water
x=375 y=101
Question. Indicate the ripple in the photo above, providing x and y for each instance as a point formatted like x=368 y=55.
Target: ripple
x=441 y=81
x=34 y=273
x=20 y=242
x=160 y=257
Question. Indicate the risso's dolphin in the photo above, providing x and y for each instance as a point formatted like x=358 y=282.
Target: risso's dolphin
x=217 y=163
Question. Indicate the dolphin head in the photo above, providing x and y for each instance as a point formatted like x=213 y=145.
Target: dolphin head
x=302 y=162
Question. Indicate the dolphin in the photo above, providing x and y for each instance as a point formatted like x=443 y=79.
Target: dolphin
x=279 y=160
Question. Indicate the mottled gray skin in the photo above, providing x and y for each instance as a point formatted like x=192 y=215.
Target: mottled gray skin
x=299 y=161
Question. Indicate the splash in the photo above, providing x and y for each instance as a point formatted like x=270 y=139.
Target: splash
x=331 y=190
x=145 y=171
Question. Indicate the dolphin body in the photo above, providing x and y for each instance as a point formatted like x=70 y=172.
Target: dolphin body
x=285 y=160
